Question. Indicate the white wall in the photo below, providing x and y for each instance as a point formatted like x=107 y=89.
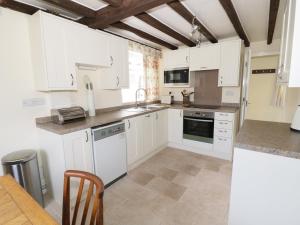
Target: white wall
x=261 y=48
x=17 y=129
x=17 y=123
x=261 y=94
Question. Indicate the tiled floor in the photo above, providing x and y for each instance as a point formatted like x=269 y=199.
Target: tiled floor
x=173 y=187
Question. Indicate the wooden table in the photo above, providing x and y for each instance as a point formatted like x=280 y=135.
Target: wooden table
x=17 y=207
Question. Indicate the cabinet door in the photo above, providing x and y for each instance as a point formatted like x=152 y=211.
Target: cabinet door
x=175 y=125
x=282 y=77
x=160 y=128
x=132 y=139
x=176 y=58
x=223 y=144
x=59 y=74
x=229 y=73
x=87 y=46
x=205 y=58
x=78 y=151
x=148 y=143
x=96 y=49
x=117 y=75
x=294 y=69
x=124 y=68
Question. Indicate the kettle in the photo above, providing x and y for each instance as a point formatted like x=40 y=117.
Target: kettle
x=295 y=126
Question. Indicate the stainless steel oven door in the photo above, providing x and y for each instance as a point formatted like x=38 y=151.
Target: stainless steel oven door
x=198 y=129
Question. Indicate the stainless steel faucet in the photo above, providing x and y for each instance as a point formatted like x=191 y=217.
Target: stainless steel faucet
x=136 y=95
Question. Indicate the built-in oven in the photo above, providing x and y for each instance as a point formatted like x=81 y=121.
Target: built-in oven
x=198 y=126
x=176 y=77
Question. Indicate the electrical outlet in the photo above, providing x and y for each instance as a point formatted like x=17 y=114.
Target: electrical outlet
x=33 y=102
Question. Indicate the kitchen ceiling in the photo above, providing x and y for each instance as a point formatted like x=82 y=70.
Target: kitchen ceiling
x=253 y=15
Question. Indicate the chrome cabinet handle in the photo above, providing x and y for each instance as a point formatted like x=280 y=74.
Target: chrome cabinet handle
x=147 y=116
x=86 y=136
x=111 y=60
x=72 y=77
x=187 y=59
x=118 y=81
x=129 y=125
x=180 y=113
x=156 y=116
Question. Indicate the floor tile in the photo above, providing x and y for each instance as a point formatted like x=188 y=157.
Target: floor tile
x=174 y=187
x=166 y=188
x=140 y=177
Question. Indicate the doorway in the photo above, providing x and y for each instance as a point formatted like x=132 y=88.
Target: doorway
x=262 y=93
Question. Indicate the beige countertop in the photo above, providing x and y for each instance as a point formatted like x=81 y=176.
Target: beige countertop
x=103 y=118
x=269 y=137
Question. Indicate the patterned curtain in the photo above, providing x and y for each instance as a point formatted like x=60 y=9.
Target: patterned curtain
x=151 y=58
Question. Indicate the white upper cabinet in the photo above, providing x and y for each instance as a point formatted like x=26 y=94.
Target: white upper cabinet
x=229 y=72
x=174 y=59
x=289 y=67
x=205 y=57
x=116 y=76
x=52 y=68
x=58 y=45
x=86 y=46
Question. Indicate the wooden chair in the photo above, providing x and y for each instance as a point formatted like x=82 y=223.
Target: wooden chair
x=97 y=209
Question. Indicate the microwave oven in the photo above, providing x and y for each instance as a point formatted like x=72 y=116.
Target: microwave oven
x=177 y=78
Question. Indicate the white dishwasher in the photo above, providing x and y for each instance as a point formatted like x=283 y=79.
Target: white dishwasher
x=110 y=154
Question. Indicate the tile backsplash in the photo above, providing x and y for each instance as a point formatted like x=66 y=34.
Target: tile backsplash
x=207 y=91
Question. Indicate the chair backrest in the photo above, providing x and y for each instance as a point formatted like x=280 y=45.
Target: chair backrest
x=96 y=197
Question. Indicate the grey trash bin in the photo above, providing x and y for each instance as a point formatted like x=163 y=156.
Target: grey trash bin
x=23 y=166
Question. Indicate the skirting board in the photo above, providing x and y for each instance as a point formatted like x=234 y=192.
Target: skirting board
x=201 y=150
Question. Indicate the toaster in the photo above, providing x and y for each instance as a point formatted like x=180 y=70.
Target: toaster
x=67 y=115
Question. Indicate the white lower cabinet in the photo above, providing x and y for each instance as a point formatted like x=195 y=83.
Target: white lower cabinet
x=78 y=151
x=145 y=134
x=160 y=127
x=134 y=142
x=59 y=153
x=148 y=130
x=264 y=189
x=175 y=125
x=224 y=132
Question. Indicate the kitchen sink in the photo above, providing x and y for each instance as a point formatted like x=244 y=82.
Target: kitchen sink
x=144 y=108
x=138 y=109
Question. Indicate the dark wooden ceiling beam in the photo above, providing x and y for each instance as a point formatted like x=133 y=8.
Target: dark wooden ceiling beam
x=188 y=16
x=234 y=18
x=164 y=28
x=74 y=7
x=274 y=6
x=114 y=3
x=18 y=6
x=144 y=35
x=110 y=15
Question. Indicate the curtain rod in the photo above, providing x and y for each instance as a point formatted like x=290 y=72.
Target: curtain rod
x=131 y=39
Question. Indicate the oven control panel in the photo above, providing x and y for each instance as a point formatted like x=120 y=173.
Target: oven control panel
x=198 y=114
